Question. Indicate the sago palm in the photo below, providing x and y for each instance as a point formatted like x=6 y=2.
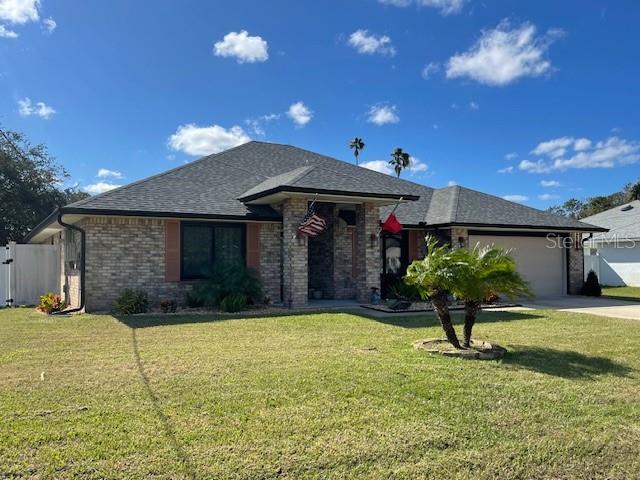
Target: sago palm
x=480 y=271
x=434 y=277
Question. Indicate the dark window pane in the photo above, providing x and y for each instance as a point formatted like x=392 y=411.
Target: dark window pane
x=196 y=250
x=228 y=245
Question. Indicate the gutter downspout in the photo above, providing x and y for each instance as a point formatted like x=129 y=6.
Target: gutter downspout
x=82 y=264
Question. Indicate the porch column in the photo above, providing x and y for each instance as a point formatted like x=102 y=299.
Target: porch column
x=575 y=264
x=295 y=253
x=369 y=260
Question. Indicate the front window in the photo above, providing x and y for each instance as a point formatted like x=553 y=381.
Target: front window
x=207 y=244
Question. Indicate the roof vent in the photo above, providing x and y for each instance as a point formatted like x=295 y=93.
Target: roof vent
x=626 y=208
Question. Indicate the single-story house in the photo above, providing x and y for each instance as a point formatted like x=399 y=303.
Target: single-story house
x=246 y=203
x=615 y=255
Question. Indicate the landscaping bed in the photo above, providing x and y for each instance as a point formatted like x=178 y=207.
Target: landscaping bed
x=422 y=306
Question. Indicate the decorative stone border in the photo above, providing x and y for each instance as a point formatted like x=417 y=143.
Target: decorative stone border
x=479 y=350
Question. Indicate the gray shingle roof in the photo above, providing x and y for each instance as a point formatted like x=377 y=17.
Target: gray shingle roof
x=212 y=186
x=623 y=222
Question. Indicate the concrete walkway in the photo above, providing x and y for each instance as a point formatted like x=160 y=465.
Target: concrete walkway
x=604 y=307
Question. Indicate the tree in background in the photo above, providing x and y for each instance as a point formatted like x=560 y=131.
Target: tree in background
x=575 y=208
x=356 y=145
x=399 y=160
x=30 y=182
x=633 y=191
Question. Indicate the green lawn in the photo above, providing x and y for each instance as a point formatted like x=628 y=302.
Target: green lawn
x=623 y=292
x=316 y=396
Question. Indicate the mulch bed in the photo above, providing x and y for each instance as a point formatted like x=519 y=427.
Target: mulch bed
x=426 y=307
x=479 y=349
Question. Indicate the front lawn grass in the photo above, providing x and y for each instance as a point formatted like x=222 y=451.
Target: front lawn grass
x=621 y=292
x=316 y=396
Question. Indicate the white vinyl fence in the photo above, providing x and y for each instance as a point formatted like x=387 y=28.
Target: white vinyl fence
x=29 y=271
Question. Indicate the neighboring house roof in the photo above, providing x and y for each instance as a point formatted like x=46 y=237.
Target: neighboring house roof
x=623 y=222
x=230 y=185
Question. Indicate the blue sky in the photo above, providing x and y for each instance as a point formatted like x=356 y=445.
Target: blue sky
x=536 y=101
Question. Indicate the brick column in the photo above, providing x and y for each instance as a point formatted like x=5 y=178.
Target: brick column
x=368 y=251
x=575 y=264
x=295 y=253
x=459 y=237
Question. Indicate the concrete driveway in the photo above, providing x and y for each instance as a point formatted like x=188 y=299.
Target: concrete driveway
x=604 y=307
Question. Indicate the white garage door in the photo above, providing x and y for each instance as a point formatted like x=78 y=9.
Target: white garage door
x=541 y=266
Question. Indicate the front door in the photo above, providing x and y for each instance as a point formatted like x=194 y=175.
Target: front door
x=395 y=259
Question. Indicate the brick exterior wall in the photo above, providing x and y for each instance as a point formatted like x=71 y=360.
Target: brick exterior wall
x=295 y=253
x=271 y=260
x=369 y=259
x=130 y=253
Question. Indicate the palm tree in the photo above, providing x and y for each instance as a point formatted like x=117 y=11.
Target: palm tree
x=481 y=271
x=434 y=277
x=633 y=192
x=356 y=144
x=399 y=160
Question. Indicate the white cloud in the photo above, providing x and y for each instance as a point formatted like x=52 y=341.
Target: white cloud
x=504 y=54
x=195 y=140
x=256 y=125
x=474 y=106
x=19 y=11
x=382 y=114
x=105 y=173
x=548 y=196
x=49 y=24
x=300 y=114
x=452 y=183
x=243 y=47
x=445 y=7
x=6 y=33
x=516 y=198
x=511 y=156
x=369 y=44
x=41 y=109
x=430 y=69
x=100 y=187
x=534 y=167
x=566 y=152
x=416 y=166
x=381 y=166
x=506 y=170
x=553 y=148
x=549 y=183
x=582 y=144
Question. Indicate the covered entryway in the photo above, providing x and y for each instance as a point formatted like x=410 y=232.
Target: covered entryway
x=541 y=261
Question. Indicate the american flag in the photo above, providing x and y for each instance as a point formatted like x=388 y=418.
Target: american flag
x=312 y=224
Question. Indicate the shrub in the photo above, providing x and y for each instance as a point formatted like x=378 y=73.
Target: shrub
x=235 y=302
x=192 y=301
x=591 y=287
x=132 y=301
x=50 y=302
x=225 y=280
x=168 y=306
x=402 y=291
